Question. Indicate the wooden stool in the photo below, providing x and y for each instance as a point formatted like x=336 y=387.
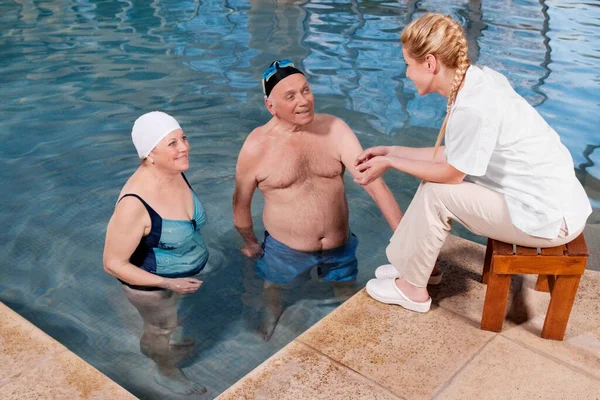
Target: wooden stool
x=558 y=268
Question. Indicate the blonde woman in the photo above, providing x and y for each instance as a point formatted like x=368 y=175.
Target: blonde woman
x=503 y=172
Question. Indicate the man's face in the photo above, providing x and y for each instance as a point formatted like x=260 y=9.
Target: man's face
x=292 y=100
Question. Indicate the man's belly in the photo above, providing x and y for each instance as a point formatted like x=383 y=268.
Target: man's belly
x=308 y=220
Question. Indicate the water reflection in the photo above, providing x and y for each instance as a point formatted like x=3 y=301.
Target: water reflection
x=75 y=74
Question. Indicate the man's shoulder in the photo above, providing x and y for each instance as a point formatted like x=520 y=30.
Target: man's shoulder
x=326 y=118
x=255 y=135
x=260 y=133
x=254 y=143
x=332 y=124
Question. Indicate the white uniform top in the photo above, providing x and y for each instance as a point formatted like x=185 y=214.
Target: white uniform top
x=495 y=137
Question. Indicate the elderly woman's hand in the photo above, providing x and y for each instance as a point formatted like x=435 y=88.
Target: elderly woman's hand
x=181 y=285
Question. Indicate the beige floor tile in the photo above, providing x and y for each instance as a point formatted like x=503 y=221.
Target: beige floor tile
x=410 y=353
x=506 y=370
x=21 y=344
x=298 y=372
x=585 y=315
x=461 y=290
x=581 y=346
x=64 y=376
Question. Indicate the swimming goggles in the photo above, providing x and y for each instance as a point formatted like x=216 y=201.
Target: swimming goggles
x=269 y=72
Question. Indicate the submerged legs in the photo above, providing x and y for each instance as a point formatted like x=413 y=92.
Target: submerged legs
x=273 y=309
x=158 y=310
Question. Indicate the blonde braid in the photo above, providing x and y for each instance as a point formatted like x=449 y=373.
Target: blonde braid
x=458 y=37
x=444 y=38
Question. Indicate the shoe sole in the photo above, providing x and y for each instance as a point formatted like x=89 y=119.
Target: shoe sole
x=409 y=305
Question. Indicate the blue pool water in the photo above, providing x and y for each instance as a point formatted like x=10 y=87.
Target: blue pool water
x=75 y=74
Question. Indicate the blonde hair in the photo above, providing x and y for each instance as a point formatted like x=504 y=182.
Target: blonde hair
x=444 y=38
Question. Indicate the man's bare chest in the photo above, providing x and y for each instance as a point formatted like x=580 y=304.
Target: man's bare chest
x=286 y=166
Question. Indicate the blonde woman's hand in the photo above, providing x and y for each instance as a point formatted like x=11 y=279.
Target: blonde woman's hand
x=181 y=285
x=370 y=153
x=372 y=169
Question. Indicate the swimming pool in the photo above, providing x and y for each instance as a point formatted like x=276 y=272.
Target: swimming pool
x=75 y=75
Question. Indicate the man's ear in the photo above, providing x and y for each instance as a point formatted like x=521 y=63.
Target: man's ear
x=270 y=104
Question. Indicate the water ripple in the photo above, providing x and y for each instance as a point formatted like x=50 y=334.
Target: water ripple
x=76 y=74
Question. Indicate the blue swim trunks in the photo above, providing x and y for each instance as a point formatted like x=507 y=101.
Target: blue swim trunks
x=284 y=266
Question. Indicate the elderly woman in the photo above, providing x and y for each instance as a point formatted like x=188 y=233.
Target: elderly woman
x=153 y=241
x=503 y=172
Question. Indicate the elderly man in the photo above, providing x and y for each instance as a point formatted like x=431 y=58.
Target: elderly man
x=297 y=160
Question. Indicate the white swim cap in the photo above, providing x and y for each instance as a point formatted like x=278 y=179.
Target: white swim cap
x=151 y=128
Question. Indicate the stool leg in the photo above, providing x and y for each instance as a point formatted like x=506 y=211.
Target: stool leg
x=495 y=302
x=561 y=302
x=544 y=283
x=487 y=262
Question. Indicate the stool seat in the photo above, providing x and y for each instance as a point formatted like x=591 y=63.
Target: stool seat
x=559 y=270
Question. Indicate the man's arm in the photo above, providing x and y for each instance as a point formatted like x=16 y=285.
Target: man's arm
x=350 y=148
x=245 y=185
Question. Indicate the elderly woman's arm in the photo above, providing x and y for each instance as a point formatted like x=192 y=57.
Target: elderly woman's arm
x=124 y=232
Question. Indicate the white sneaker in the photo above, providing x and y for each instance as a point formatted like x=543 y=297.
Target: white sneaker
x=386 y=291
x=388 y=271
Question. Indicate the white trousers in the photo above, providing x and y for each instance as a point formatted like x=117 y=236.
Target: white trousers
x=417 y=241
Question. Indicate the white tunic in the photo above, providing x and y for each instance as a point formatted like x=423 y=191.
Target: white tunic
x=501 y=142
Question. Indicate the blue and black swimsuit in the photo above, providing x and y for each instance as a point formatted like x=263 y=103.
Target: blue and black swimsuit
x=173 y=248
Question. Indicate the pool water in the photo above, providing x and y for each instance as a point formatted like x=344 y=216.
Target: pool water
x=75 y=75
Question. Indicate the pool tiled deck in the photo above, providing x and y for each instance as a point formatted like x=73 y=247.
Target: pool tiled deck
x=35 y=366
x=368 y=350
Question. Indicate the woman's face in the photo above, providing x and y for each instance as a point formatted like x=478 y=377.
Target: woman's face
x=420 y=73
x=172 y=152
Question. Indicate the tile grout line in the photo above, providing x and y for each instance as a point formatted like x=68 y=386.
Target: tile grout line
x=467 y=319
x=470 y=321
x=572 y=367
x=550 y=357
x=447 y=383
x=463 y=317
x=377 y=384
x=539 y=352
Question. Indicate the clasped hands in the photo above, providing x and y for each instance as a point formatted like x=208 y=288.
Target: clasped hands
x=372 y=164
